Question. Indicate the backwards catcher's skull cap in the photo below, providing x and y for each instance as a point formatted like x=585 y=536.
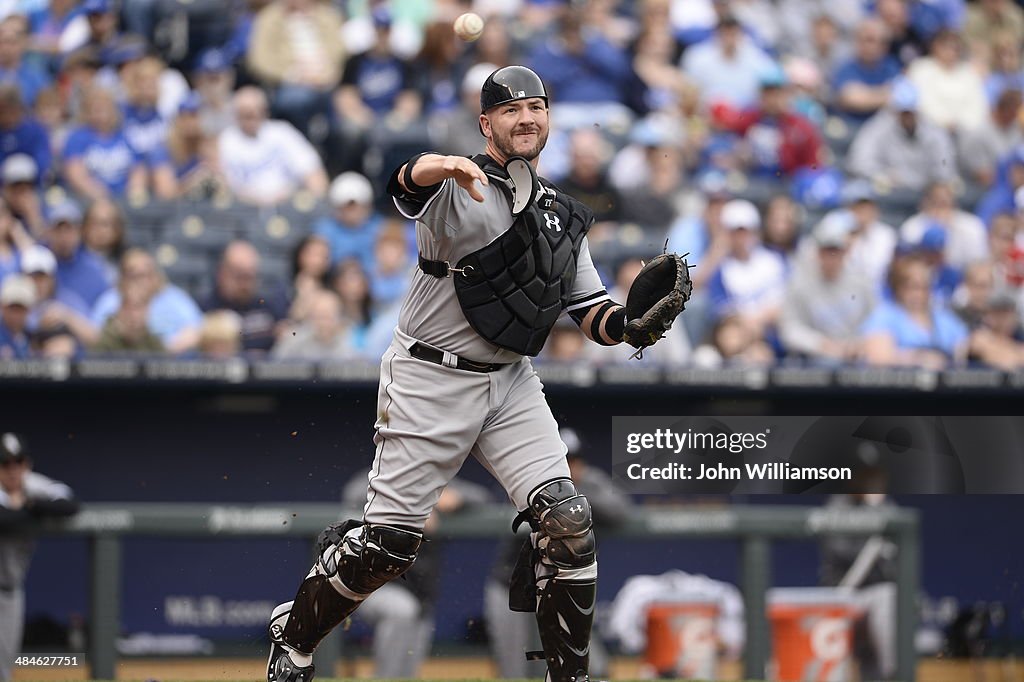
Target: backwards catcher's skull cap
x=509 y=84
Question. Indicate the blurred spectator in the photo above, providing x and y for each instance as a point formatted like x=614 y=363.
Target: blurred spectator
x=266 y=161
x=439 y=72
x=750 y=281
x=565 y=343
x=998 y=342
x=378 y=90
x=448 y=128
x=21 y=193
x=14 y=239
x=322 y=336
x=778 y=141
x=589 y=72
x=808 y=90
x=172 y=314
x=1007 y=255
x=127 y=330
x=733 y=343
x=657 y=201
x=782 y=218
x=987 y=18
x=57 y=308
x=14 y=68
x=494 y=46
x=965 y=233
x=392 y=266
x=48 y=25
x=980 y=150
x=296 y=50
x=17 y=296
x=872 y=242
x=99 y=161
x=220 y=336
x=99 y=31
x=190 y=156
x=908 y=41
x=1004 y=66
x=727 y=67
x=1002 y=196
x=590 y=155
x=78 y=269
x=350 y=281
x=898 y=149
x=25 y=497
x=702 y=235
x=49 y=112
x=971 y=299
x=214 y=80
x=238 y=289
x=931 y=248
x=103 y=234
x=145 y=127
x=826 y=305
x=912 y=330
x=952 y=93
x=814 y=32
x=860 y=87
x=659 y=83
x=79 y=73
x=311 y=265
x=22 y=134
x=351 y=228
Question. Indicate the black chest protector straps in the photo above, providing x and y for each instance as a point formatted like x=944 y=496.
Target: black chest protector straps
x=513 y=290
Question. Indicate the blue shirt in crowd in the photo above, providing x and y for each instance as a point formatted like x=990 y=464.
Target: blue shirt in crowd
x=28 y=137
x=13 y=346
x=872 y=75
x=378 y=79
x=85 y=274
x=946 y=334
x=170 y=312
x=600 y=74
x=29 y=78
x=109 y=158
x=144 y=128
x=350 y=242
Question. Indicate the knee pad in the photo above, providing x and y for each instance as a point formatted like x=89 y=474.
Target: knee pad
x=562 y=518
x=359 y=558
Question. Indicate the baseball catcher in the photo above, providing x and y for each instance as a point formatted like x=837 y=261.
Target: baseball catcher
x=503 y=253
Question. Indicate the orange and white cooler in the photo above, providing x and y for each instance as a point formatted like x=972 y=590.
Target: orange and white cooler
x=812 y=634
x=682 y=639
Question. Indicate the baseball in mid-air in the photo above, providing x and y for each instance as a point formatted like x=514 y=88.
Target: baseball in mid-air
x=469 y=26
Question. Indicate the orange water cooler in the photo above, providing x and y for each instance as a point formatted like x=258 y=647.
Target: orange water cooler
x=812 y=634
x=682 y=639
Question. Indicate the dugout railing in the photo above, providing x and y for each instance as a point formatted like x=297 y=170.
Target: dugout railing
x=755 y=527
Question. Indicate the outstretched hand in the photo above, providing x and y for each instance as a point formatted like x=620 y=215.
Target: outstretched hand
x=465 y=173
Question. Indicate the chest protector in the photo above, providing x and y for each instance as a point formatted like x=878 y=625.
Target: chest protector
x=512 y=290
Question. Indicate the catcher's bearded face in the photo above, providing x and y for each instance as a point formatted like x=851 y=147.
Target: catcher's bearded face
x=518 y=128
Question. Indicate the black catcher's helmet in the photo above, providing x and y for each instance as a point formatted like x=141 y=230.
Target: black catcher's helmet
x=509 y=84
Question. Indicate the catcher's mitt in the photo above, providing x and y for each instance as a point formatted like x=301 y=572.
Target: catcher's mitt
x=655 y=299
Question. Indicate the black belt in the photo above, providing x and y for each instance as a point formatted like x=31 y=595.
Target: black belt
x=441 y=268
x=422 y=352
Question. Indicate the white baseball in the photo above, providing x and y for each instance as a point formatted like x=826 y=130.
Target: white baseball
x=469 y=26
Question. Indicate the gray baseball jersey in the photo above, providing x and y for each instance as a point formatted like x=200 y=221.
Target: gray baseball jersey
x=431 y=417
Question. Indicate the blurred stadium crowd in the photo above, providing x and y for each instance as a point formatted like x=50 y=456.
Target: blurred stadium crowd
x=205 y=178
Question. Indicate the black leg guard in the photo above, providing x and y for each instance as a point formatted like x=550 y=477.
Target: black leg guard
x=564 y=579
x=349 y=567
x=565 y=615
x=317 y=609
